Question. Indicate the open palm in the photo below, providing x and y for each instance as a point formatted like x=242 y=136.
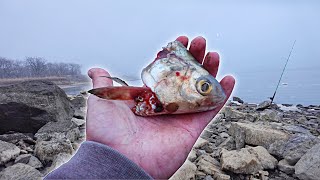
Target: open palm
x=158 y=144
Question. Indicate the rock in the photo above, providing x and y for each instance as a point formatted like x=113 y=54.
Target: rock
x=24 y=158
x=80 y=113
x=20 y=172
x=200 y=143
x=308 y=166
x=206 y=134
x=218 y=176
x=285 y=167
x=255 y=134
x=27 y=106
x=46 y=151
x=8 y=151
x=233 y=115
x=192 y=155
x=248 y=160
x=267 y=161
x=15 y=137
x=293 y=148
x=208 y=177
x=59 y=130
x=78 y=122
x=186 y=171
x=237 y=99
x=270 y=115
x=224 y=135
x=263 y=105
x=296 y=129
x=240 y=162
x=78 y=101
x=58 y=160
x=208 y=164
x=229 y=144
x=35 y=162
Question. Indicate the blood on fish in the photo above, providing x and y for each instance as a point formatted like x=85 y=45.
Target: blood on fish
x=147 y=103
x=177 y=73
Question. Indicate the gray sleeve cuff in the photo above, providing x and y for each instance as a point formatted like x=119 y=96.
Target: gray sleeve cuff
x=97 y=161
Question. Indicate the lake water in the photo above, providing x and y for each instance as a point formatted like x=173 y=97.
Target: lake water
x=298 y=86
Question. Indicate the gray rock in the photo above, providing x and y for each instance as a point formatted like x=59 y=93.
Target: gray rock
x=219 y=176
x=271 y=115
x=308 y=166
x=229 y=144
x=78 y=122
x=80 y=113
x=8 y=151
x=186 y=171
x=35 y=162
x=78 y=101
x=46 y=151
x=24 y=158
x=240 y=162
x=200 y=143
x=293 y=148
x=224 y=135
x=58 y=161
x=248 y=160
x=233 y=115
x=20 y=172
x=15 y=137
x=208 y=164
x=256 y=134
x=285 y=167
x=267 y=161
x=59 y=130
x=192 y=155
x=263 y=105
x=237 y=99
x=296 y=129
x=27 y=106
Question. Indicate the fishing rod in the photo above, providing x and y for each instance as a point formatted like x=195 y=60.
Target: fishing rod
x=274 y=94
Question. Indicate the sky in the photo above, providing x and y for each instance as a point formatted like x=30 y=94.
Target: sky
x=124 y=36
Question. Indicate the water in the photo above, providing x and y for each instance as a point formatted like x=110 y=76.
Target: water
x=298 y=86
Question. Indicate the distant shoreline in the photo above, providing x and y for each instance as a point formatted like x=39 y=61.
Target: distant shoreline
x=63 y=82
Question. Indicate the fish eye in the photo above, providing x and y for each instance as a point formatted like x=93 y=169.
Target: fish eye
x=204 y=87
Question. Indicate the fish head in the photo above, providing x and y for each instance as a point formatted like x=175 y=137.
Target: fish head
x=180 y=83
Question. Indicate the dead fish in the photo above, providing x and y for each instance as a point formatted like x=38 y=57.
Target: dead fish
x=175 y=83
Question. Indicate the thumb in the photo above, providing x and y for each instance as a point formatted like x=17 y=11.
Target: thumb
x=96 y=74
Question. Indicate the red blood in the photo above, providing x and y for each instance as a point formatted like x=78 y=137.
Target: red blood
x=177 y=73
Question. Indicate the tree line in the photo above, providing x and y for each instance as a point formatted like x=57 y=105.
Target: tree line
x=36 y=67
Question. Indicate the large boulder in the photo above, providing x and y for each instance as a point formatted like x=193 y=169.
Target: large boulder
x=254 y=134
x=8 y=151
x=20 y=171
x=27 y=106
x=308 y=166
x=248 y=160
x=293 y=148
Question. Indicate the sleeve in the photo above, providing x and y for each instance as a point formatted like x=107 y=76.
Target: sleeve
x=97 y=161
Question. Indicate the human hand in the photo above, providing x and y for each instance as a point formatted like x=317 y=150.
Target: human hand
x=158 y=144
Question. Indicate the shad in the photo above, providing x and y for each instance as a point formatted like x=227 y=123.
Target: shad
x=175 y=83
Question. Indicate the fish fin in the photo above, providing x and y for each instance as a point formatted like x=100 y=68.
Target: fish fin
x=119 y=92
x=116 y=79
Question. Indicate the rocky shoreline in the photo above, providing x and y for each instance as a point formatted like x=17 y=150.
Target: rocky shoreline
x=41 y=128
x=254 y=141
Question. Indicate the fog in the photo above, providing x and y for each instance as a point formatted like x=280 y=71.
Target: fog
x=124 y=36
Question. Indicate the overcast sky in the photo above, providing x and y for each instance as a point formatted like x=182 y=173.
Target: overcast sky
x=124 y=36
